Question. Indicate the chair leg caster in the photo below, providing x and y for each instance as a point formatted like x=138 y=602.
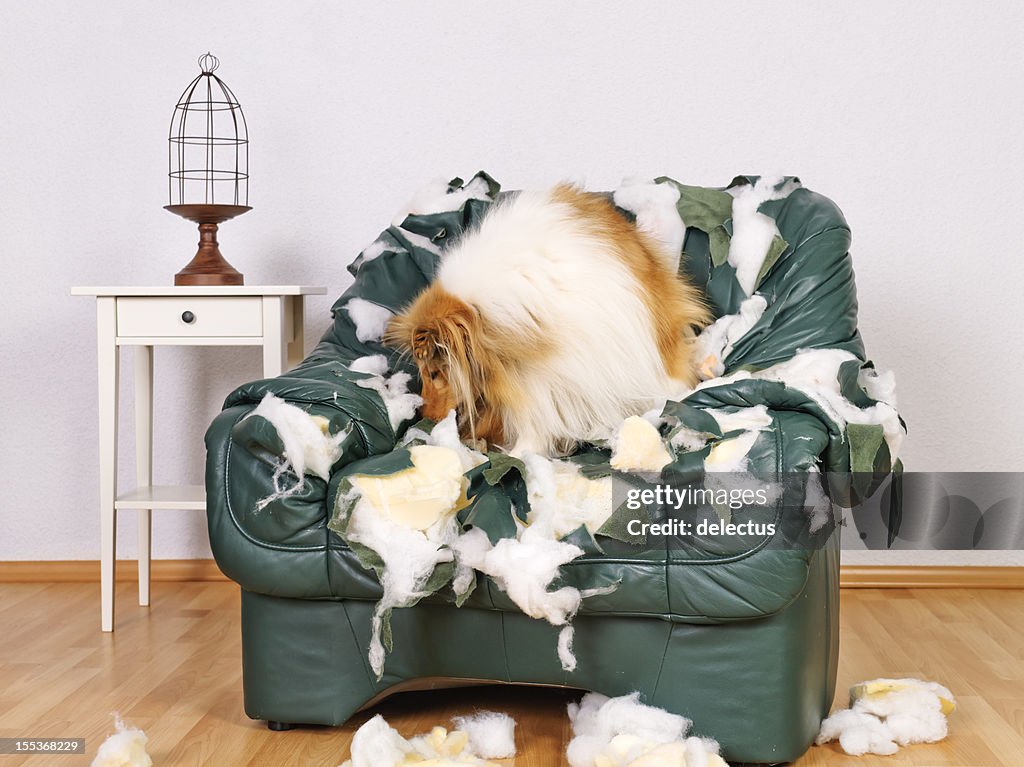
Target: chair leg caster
x=280 y=726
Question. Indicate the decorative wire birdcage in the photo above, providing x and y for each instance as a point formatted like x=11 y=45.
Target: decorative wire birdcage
x=208 y=170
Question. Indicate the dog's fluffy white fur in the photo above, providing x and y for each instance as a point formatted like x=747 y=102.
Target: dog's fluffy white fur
x=564 y=296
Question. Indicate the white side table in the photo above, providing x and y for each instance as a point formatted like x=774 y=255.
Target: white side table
x=270 y=316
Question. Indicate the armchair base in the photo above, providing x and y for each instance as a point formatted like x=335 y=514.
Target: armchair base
x=760 y=687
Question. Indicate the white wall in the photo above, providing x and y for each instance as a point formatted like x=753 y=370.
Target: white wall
x=906 y=114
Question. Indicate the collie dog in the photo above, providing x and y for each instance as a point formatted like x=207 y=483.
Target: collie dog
x=550 y=323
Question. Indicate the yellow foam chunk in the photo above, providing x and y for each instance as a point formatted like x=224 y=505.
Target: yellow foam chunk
x=881 y=687
x=730 y=454
x=417 y=497
x=708 y=367
x=638 y=447
x=665 y=755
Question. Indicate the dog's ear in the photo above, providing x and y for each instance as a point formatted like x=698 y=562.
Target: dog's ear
x=435 y=335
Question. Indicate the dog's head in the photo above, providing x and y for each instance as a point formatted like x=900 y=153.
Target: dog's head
x=440 y=333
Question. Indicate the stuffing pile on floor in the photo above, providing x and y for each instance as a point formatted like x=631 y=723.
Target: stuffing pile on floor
x=622 y=732
x=125 y=748
x=885 y=714
x=607 y=732
x=474 y=741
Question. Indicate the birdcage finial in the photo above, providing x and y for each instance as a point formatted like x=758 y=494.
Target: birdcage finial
x=208 y=63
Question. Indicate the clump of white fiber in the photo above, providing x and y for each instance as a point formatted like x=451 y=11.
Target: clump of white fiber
x=716 y=341
x=477 y=738
x=374 y=250
x=400 y=403
x=446 y=434
x=888 y=713
x=308 y=445
x=815 y=373
x=752 y=232
x=492 y=735
x=435 y=197
x=125 y=748
x=654 y=206
x=370 y=319
x=622 y=732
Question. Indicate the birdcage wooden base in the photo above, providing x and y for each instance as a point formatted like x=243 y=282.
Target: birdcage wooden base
x=208 y=266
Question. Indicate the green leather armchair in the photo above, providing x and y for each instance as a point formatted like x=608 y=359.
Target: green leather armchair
x=743 y=642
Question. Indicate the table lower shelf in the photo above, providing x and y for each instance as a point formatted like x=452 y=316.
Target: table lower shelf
x=163 y=497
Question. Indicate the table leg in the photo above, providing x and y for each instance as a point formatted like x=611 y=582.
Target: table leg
x=274 y=346
x=108 y=360
x=144 y=459
x=297 y=346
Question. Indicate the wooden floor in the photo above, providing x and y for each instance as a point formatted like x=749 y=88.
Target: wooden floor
x=174 y=670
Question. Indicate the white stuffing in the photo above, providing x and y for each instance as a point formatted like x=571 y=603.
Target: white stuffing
x=446 y=434
x=622 y=732
x=125 y=748
x=400 y=403
x=752 y=232
x=657 y=214
x=716 y=341
x=492 y=735
x=409 y=556
x=730 y=455
x=524 y=570
x=435 y=197
x=371 y=320
x=565 y=654
x=756 y=418
x=421 y=242
x=373 y=250
x=815 y=373
x=408 y=519
x=476 y=739
x=858 y=733
x=308 y=445
x=637 y=446
x=879 y=386
x=817 y=503
x=377 y=744
x=888 y=713
x=373 y=364
x=561 y=500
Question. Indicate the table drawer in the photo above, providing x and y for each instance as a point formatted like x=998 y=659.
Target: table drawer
x=190 y=316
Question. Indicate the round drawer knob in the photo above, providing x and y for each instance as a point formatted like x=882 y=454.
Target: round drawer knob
x=187 y=317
